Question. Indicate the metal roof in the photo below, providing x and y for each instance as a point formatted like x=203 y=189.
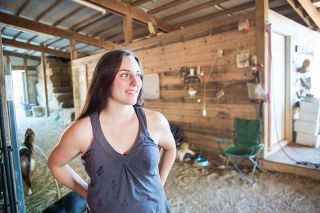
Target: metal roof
x=76 y=19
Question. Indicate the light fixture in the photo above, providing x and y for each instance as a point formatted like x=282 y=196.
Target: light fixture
x=91 y=5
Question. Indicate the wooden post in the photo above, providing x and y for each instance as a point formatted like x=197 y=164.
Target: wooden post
x=73 y=49
x=127 y=28
x=25 y=67
x=43 y=62
x=3 y=64
x=262 y=10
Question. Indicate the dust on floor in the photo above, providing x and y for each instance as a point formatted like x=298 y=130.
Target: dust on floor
x=188 y=188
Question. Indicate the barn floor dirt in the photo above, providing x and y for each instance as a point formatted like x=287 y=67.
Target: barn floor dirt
x=189 y=188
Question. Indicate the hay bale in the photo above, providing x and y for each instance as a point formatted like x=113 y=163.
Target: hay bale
x=38 y=111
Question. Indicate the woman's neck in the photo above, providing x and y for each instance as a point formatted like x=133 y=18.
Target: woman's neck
x=117 y=113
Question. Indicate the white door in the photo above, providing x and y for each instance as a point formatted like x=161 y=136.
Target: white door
x=278 y=89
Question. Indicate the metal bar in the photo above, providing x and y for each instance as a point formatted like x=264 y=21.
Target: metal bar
x=4 y=185
x=8 y=171
x=13 y=153
x=16 y=157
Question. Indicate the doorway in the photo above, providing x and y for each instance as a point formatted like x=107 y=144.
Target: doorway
x=279 y=116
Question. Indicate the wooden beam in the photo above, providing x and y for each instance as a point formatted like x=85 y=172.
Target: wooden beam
x=282 y=8
x=202 y=27
x=80 y=48
x=138 y=2
x=166 y=6
x=137 y=14
x=32 y=38
x=43 y=28
x=64 y=47
x=16 y=67
x=217 y=14
x=43 y=63
x=107 y=29
x=300 y=13
x=46 y=11
x=311 y=10
x=193 y=9
x=19 y=55
x=54 y=41
x=24 y=5
x=261 y=13
x=120 y=36
x=34 y=47
x=84 y=22
x=25 y=68
x=127 y=28
x=2 y=30
x=72 y=13
x=107 y=15
x=17 y=35
x=73 y=49
x=262 y=7
x=47 y=40
x=114 y=29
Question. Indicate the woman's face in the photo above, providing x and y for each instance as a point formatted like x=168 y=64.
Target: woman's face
x=127 y=83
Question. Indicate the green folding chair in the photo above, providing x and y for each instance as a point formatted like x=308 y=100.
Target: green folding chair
x=246 y=145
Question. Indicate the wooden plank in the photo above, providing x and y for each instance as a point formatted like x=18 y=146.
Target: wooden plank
x=25 y=68
x=8 y=53
x=85 y=22
x=193 y=9
x=72 y=13
x=137 y=14
x=311 y=10
x=263 y=58
x=293 y=169
x=17 y=67
x=34 y=47
x=23 y=6
x=46 y=11
x=73 y=49
x=17 y=35
x=138 y=2
x=32 y=38
x=43 y=64
x=127 y=28
x=23 y=23
x=299 y=12
x=110 y=28
x=217 y=14
x=118 y=38
x=166 y=6
x=4 y=70
x=92 y=22
x=54 y=41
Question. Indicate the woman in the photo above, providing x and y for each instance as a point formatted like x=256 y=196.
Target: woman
x=118 y=141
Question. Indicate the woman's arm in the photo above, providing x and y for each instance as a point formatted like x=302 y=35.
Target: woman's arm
x=167 y=143
x=73 y=141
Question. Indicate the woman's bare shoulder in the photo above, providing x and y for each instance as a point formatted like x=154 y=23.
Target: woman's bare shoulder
x=155 y=117
x=79 y=129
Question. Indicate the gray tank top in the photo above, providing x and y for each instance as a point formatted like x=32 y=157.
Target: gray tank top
x=124 y=183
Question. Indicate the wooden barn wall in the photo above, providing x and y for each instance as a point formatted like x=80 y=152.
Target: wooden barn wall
x=174 y=102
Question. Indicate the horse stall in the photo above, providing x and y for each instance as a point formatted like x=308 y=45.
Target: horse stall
x=202 y=70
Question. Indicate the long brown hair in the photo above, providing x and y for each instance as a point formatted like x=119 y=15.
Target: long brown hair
x=100 y=88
